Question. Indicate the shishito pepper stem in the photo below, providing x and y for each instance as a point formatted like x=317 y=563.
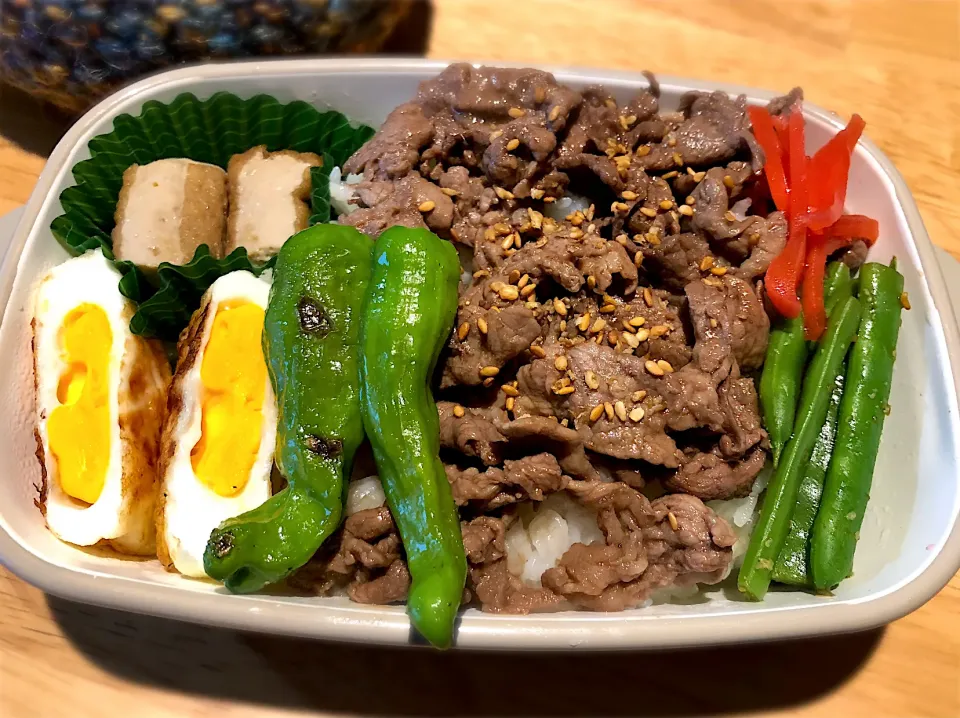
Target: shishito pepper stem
x=311 y=334
x=407 y=319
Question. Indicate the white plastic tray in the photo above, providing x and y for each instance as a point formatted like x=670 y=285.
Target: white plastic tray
x=910 y=544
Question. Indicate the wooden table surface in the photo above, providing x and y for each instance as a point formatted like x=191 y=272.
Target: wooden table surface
x=896 y=63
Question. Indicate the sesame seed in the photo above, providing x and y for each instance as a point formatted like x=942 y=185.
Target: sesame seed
x=698 y=176
x=560 y=363
x=539 y=94
x=718 y=271
x=489 y=371
x=728 y=181
x=622 y=239
x=613 y=336
x=522 y=282
x=631 y=339
x=670 y=175
x=591 y=379
x=517 y=242
x=621 y=410
x=509 y=390
x=608 y=308
x=537 y=351
x=458 y=411
x=591 y=281
x=463 y=330
x=513 y=144
x=652 y=367
x=619 y=207
x=706 y=263
x=514 y=276
x=596 y=412
x=637 y=321
x=642 y=335
x=510 y=403
x=691 y=200
x=713 y=323
x=427 y=206
x=495 y=134
x=583 y=322
x=563 y=325
x=502 y=193
x=549 y=199
x=516 y=112
x=509 y=293
x=608 y=409
x=648 y=296
x=673 y=521
x=636 y=414
x=648 y=211
x=905 y=300
x=559 y=307
x=686 y=210
x=482 y=325
x=691 y=171
x=659 y=330
x=449 y=192
x=729 y=216
x=554 y=113
x=643 y=151
x=507 y=243
x=536 y=193
x=638 y=258
x=677 y=159
x=576 y=233
x=665 y=366
x=528 y=290
x=666 y=204
x=711 y=282
x=671 y=141
x=536 y=219
x=628 y=195
x=598 y=326
x=599 y=339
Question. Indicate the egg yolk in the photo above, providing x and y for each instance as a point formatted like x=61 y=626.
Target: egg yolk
x=233 y=377
x=79 y=429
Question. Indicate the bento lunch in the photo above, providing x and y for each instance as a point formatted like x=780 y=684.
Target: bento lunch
x=522 y=348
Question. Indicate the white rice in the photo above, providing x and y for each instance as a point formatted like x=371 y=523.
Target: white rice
x=341 y=192
x=363 y=494
x=565 y=205
x=543 y=534
x=741 y=514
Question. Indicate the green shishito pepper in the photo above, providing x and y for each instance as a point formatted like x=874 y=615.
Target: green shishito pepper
x=407 y=319
x=311 y=337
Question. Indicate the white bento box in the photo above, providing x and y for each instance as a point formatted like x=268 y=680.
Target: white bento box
x=910 y=544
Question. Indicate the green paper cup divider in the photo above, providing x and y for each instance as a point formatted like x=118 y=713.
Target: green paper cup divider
x=211 y=130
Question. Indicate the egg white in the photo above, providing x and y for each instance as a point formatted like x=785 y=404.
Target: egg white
x=189 y=509
x=123 y=512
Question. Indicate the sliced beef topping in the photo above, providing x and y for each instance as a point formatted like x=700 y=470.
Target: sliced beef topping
x=779 y=105
x=767 y=238
x=715 y=130
x=395 y=149
x=531 y=477
x=728 y=320
x=675 y=260
x=708 y=476
x=397 y=203
x=742 y=425
x=564 y=443
x=695 y=543
x=472 y=433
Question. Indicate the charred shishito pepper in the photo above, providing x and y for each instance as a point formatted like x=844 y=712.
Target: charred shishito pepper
x=311 y=339
x=407 y=320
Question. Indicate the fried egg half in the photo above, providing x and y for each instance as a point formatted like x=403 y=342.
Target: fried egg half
x=100 y=400
x=221 y=427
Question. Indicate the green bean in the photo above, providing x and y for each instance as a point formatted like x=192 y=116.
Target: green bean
x=792 y=565
x=862 y=411
x=787 y=353
x=781 y=496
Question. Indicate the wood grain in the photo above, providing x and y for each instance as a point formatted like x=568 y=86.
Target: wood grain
x=897 y=64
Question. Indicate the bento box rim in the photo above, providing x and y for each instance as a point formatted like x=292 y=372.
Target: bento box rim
x=549 y=631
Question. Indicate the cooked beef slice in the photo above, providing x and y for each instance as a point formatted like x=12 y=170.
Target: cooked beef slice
x=531 y=477
x=395 y=149
x=708 y=476
x=767 y=238
x=473 y=434
x=716 y=128
x=675 y=260
x=697 y=544
x=728 y=321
